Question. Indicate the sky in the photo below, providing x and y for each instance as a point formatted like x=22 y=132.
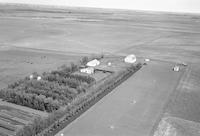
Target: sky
x=191 y=6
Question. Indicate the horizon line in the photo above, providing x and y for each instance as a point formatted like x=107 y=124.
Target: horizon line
x=102 y=8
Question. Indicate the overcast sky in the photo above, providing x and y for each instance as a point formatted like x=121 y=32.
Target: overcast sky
x=156 y=5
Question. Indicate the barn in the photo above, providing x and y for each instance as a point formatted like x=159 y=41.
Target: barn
x=93 y=63
x=130 y=58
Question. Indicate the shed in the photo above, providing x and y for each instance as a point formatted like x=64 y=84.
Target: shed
x=130 y=58
x=93 y=63
x=39 y=78
x=176 y=68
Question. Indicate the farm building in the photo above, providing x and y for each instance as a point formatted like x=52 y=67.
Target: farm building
x=31 y=77
x=39 y=78
x=147 y=60
x=130 y=58
x=176 y=68
x=109 y=63
x=88 y=70
x=93 y=63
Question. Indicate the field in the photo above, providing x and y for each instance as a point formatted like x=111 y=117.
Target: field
x=16 y=63
x=14 y=117
x=41 y=38
x=181 y=114
x=132 y=108
x=58 y=90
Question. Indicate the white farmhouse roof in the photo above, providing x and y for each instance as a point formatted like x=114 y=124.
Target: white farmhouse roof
x=93 y=63
x=130 y=58
x=88 y=70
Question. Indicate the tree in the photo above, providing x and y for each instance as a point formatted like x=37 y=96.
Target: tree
x=84 y=60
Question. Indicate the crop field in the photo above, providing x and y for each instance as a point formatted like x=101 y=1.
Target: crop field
x=145 y=34
x=14 y=117
x=16 y=63
x=37 y=38
x=182 y=112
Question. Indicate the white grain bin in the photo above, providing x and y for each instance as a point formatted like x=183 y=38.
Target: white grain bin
x=147 y=60
x=88 y=70
x=39 y=78
x=109 y=63
x=93 y=63
x=130 y=58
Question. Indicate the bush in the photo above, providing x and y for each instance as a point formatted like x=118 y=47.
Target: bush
x=84 y=60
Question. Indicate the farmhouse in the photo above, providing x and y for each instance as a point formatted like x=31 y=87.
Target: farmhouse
x=93 y=63
x=130 y=58
x=88 y=70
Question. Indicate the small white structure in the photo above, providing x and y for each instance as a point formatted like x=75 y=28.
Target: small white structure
x=130 y=59
x=176 y=68
x=183 y=63
x=134 y=101
x=109 y=63
x=88 y=70
x=147 y=60
x=39 y=78
x=112 y=127
x=31 y=77
x=93 y=63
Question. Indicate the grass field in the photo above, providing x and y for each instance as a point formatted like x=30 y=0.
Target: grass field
x=165 y=38
x=182 y=112
x=16 y=63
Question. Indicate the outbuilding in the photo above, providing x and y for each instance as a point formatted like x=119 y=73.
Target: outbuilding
x=176 y=68
x=93 y=63
x=31 y=77
x=130 y=58
x=147 y=60
x=39 y=78
x=88 y=70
